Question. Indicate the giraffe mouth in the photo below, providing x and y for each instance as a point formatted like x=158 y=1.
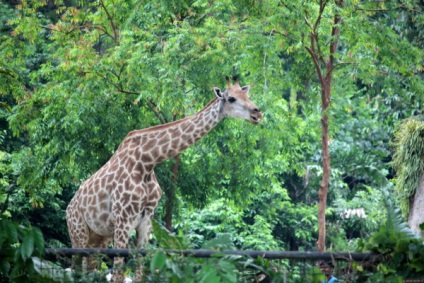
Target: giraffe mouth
x=255 y=119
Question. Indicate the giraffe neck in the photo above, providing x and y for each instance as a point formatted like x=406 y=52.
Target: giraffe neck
x=162 y=142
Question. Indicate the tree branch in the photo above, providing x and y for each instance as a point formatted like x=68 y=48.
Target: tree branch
x=112 y=23
x=334 y=40
x=74 y=28
x=314 y=31
x=150 y=102
x=127 y=92
x=313 y=54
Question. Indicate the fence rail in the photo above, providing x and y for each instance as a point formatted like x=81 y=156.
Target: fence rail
x=282 y=266
x=346 y=256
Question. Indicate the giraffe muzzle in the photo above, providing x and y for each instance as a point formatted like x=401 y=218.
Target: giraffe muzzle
x=256 y=116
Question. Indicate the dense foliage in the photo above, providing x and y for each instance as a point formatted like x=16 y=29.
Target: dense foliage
x=401 y=248
x=77 y=76
x=18 y=246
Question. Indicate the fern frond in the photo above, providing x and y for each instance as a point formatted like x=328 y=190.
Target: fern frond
x=395 y=223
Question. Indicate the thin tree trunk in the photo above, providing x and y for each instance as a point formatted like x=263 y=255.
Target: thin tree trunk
x=324 y=66
x=416 y=211
x=322 y=193
x=170 y=195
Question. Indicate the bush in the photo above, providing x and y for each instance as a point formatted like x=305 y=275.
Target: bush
x=18 y=246
x=402 y=250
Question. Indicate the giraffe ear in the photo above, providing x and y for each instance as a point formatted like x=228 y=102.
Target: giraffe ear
x=218 y=93
x=246 y=89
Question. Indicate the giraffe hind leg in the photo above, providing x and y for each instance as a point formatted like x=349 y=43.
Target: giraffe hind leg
x=96 y=241
x=143 y=232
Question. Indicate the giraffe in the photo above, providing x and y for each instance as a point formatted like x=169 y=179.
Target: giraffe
x=123 y=194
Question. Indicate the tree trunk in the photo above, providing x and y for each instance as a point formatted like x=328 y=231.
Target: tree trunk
x=170 y=195
x=416 y=210
x=322 y=193
x=324 y=67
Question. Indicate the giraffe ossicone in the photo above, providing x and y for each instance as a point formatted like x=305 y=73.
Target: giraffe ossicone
x=123 y=194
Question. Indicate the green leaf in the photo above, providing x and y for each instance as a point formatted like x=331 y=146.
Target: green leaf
x=228 y=270
x=27 y=246
x=209 y=275
x=4 y=266
x=158 y=262
x=38 y=240
x=165 y=239
x=8 y=233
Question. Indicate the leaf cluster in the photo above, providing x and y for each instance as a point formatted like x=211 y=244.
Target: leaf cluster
x=18 y=246
x=402 y=249
x=218 y=268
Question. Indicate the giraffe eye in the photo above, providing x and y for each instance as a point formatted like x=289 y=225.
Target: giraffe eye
x=231 y=99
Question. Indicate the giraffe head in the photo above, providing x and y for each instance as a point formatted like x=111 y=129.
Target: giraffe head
x=236 y=103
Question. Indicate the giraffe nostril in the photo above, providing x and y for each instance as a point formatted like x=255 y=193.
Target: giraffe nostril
x=256 y=110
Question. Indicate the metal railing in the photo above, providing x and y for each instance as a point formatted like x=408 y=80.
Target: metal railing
x=250 y=266
x=293 y=267
x=313 y=256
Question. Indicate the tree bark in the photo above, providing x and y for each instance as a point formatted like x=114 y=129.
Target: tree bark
x=326 y=166
x=416 y=211
x=170 y=195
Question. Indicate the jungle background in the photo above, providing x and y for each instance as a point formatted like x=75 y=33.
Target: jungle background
x=77 y=76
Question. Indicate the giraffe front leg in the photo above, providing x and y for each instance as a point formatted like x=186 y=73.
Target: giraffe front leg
x=79 y=234
x=152 y=201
